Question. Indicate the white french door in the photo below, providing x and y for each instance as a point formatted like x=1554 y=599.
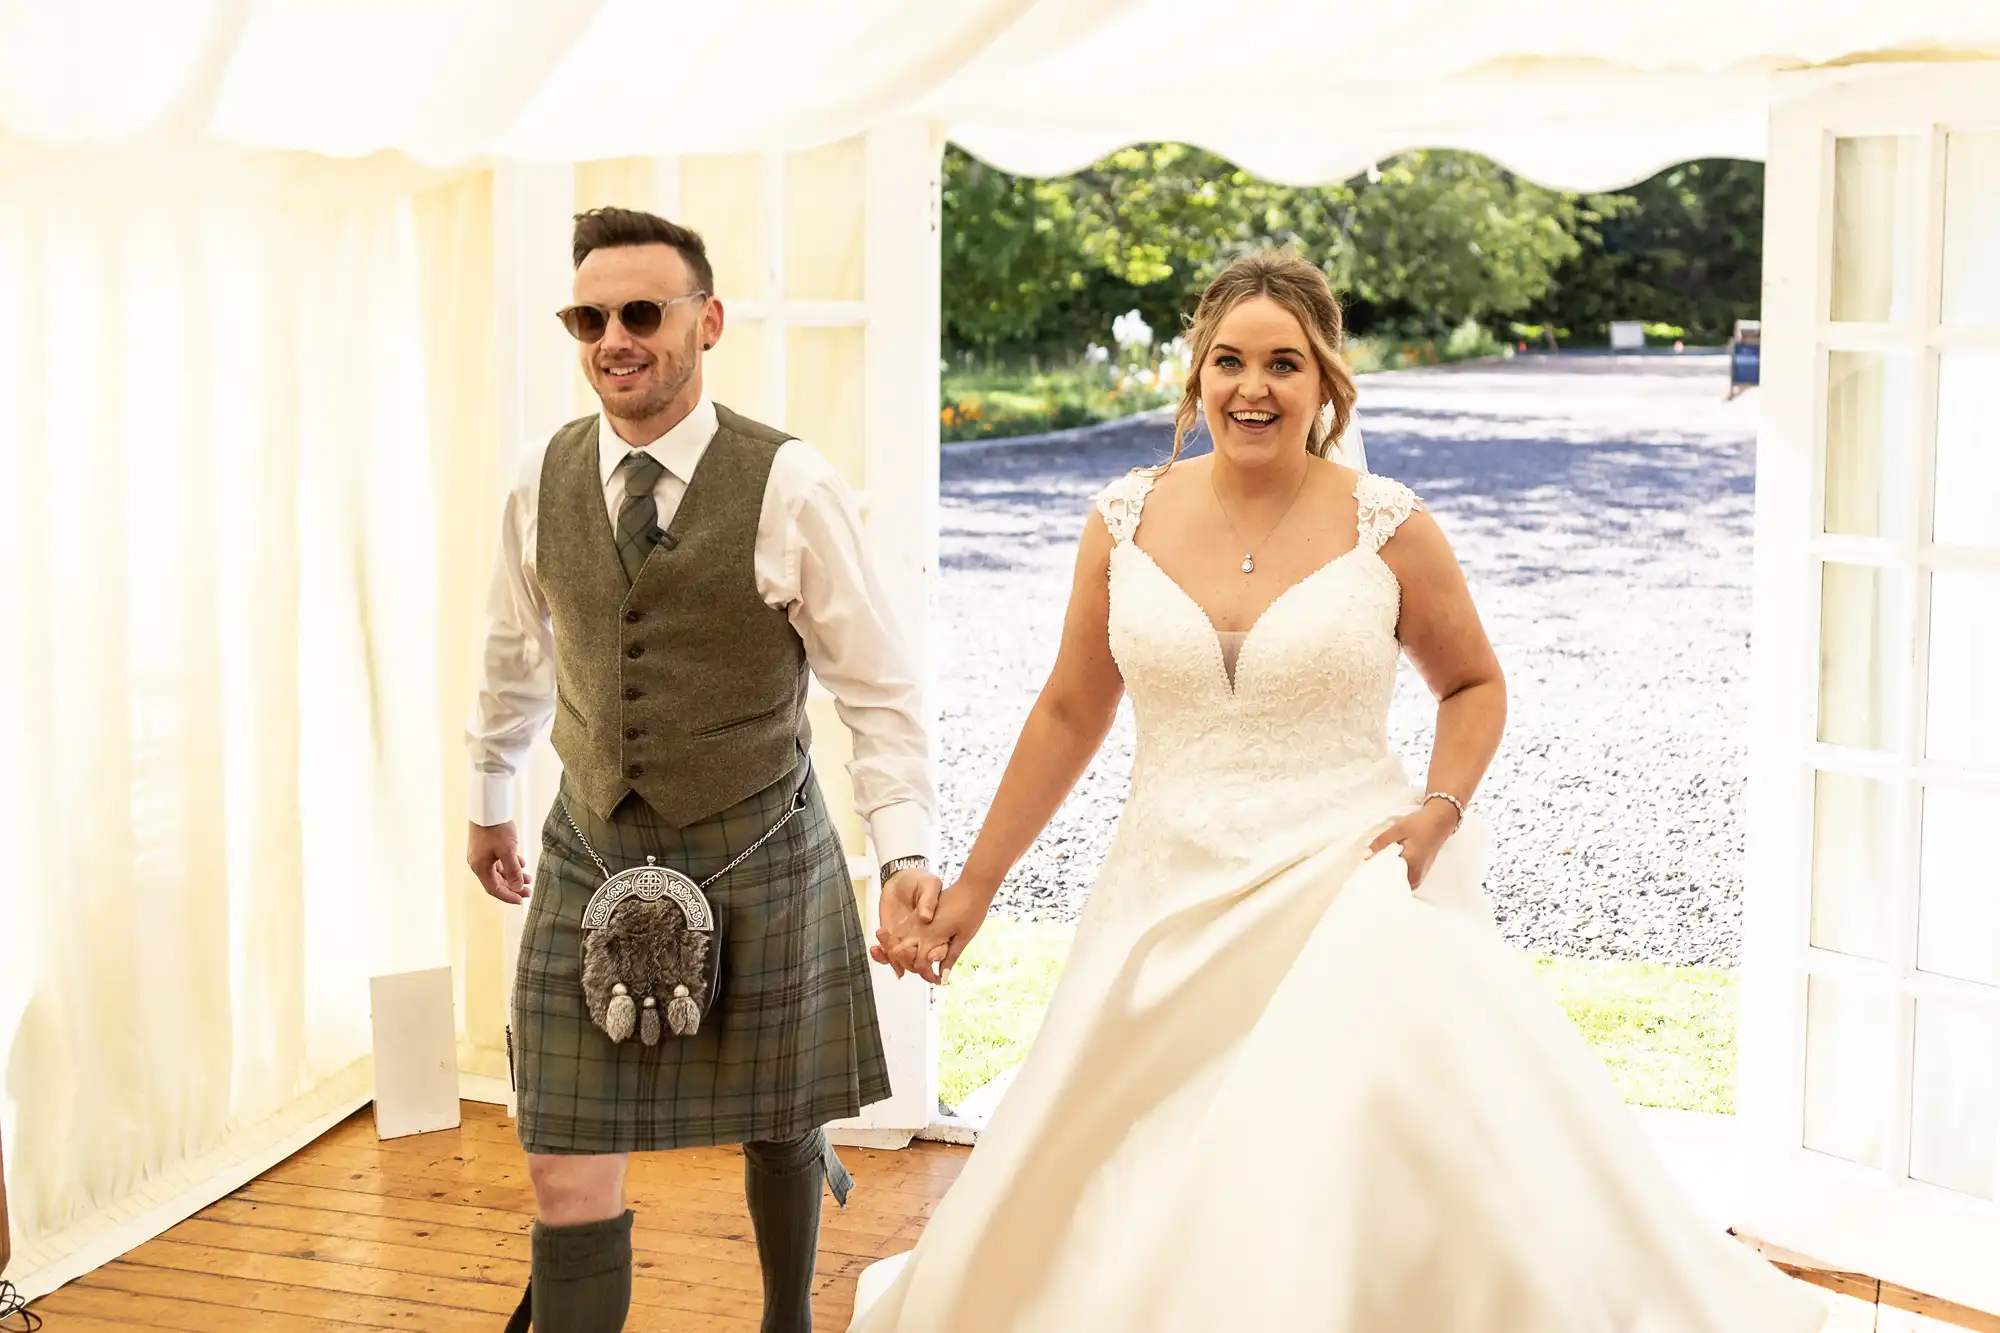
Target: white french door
x=1870 y=1078
x=826 y=262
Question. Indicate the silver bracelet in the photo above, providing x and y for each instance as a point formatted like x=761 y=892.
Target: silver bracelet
x=889 y=869
x=1456 y=804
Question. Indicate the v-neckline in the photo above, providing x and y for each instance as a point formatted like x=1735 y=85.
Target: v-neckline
x=1231 y=680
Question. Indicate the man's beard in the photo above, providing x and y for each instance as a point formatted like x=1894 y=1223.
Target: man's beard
x=679 y=371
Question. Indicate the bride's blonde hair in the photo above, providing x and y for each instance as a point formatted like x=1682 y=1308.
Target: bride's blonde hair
x=1302 y=290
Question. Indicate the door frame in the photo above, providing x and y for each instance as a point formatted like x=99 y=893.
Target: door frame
x=1870 y=1218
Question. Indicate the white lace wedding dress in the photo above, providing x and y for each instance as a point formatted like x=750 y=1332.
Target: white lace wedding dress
x=1277 y=1091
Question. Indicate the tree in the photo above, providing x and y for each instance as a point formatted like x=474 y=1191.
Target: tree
x=1431 y=239
x=1685 y=248
x=1437 y=238
x=1009 y=256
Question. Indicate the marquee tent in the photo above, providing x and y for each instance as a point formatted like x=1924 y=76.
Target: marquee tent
x=275 y=287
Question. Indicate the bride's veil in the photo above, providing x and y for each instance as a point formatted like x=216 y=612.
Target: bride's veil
x=1352 y=452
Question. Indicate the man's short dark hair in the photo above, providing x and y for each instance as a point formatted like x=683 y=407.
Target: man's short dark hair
x=606 y=228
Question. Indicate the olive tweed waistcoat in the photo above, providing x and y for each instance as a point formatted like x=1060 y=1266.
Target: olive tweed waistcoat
x=681 y=685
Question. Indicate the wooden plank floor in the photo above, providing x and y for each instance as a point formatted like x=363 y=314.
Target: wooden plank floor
x=430 y=1234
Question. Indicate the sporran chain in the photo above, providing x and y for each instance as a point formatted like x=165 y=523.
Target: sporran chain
x=798 y=806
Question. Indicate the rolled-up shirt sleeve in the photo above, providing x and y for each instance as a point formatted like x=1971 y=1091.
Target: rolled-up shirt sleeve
x=517 y=672
x=825 y=579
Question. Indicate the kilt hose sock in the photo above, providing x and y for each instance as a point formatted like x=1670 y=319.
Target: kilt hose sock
x=581 y=1278
x=782 y=1183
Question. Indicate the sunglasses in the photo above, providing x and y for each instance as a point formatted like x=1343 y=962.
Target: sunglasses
x=642 y=319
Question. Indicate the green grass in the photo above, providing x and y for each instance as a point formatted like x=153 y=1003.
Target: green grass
x=1667 y=1035
x=993 y=1007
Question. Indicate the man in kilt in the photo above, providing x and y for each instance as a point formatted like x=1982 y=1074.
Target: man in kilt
x=669 y=572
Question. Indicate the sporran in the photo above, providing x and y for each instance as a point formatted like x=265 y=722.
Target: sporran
x=652 y=952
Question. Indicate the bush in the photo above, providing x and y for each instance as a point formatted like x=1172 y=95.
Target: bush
x=993 y=403
x=1469 y=340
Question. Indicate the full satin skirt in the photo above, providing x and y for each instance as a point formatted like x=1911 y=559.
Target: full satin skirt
x=1289 y=1094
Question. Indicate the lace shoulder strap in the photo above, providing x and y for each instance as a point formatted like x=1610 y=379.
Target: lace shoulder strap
x=1121 y=503
x=1383 y=503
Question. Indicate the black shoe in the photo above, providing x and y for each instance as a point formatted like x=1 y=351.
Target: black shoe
x=523 y=1317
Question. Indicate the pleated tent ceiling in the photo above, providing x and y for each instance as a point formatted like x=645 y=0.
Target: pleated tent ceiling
x=1577 y=93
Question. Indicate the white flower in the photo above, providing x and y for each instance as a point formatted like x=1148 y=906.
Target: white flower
x=1131 y=330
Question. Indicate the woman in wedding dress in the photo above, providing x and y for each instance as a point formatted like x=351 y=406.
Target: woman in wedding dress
x=1293 y=1078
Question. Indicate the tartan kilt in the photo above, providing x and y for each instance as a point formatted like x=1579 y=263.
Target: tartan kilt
x=792 y=1040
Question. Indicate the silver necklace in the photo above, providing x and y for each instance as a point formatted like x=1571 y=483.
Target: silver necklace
x=1249 y=565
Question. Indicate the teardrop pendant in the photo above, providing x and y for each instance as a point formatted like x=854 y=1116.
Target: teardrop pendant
x=1249 y=565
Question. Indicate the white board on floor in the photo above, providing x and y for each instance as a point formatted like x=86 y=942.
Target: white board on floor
x=416 y=1052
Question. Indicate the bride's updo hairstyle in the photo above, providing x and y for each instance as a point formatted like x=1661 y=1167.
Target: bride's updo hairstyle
x=1300 y=288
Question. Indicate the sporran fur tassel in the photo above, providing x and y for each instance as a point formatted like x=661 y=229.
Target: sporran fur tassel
x=649 y=1022
x=683 y=1014
x=618 y=1016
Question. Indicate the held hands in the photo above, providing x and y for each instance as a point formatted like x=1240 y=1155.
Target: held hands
x=931 y=947
x=1420 y=834
x=494 y=853
x=909 y=903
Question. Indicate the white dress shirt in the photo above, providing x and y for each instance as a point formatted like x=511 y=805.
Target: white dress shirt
x=810 y=561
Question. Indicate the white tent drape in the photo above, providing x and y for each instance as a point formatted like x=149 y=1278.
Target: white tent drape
x=1576 y=93
x=224 y=782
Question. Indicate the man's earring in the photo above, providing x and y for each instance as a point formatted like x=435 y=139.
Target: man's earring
x=708 y=347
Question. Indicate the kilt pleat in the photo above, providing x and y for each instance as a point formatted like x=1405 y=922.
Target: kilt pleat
x=792 y=1041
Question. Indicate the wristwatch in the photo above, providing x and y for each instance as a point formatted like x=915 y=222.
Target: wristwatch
x=890 y=869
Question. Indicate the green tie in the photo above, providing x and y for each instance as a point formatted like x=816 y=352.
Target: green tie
x=638 y=516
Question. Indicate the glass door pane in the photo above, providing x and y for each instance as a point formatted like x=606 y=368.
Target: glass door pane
x=825 y=404
x=1958 y=903
x=1963 y=722
x=1854 y=864
x=826 y=222
x=733 y=374
x=1972 y=229
x=723 y=199
x=1966 y=507
x=1876 y=212
x=1863 y=625
x=1868 y=416
x=1847 y=1047
x=1955 y=1101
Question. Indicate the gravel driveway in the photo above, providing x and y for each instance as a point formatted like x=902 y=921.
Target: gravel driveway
x=1602 y=509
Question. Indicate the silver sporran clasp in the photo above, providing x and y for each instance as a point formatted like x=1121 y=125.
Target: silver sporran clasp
x=650 y=883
